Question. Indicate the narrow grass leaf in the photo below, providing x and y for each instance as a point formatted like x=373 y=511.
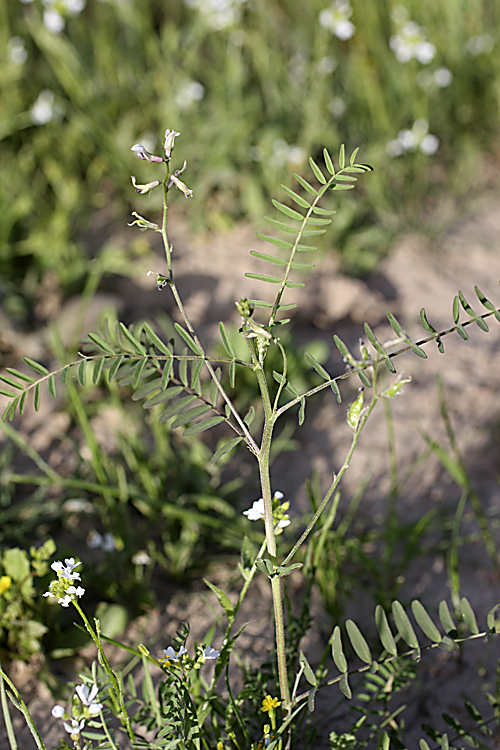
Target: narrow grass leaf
x=190 y=415
x=290 y=212
x=317 y=171
x=425 y=622
x=37 y=396
x=338 y=651
x=269 y=258
x=20 y=375
x=305 y=184
x=468 y=615
x=299 y=200
x=328 y=162
x=384 y=631
x=263 y=277
x=207 y=424
x=188 y=339
x=101 y=343
x=36 y=366
x=358 y=642
x=404 y=626
x=156 y=340
x=225 y=449
x=275 y=241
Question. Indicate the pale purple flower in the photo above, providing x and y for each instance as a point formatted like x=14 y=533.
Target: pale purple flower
x=171 y=655
x=211 y=653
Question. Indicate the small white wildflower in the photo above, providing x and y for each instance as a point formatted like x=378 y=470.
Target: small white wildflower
x=141 y=558
x=256 y=512
x=74 y=7
x=43 y=109
x=66 y=570
x=16 y=50
x=399 y=15
x=443 y=77
x=218 y=14
x=75 y=727
x=336 y=19
x=58 y=712
x=171 y=655
x=211 y=653
x=410 y=43
x=189 y=93
x=88 y=698
x=418 y=138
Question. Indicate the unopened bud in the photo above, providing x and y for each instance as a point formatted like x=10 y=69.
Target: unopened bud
x=170 y=136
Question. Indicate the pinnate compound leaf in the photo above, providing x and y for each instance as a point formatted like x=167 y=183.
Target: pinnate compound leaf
x=299 y=200
x=338 y=651
x=225 y=449
x=404 y=626
x=358 y=642
x=207 y=424
x=384 y=631
x=36 y=366
x=188 y=339
x=290 y=212
x=424 y=621
x=305 y=184
x=468 y=615
x=317 y=171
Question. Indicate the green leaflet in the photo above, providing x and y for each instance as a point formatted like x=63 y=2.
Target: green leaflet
x=188 y=339
x=268 y=258
x=101 y=343
x=225 y=340
x=404 y=626
x=36 y=366
x=305 y=184
x=275 y=241
x=263 y=277
x=424 y=621
x=163 y=396
x=358 y=642
x=290 y=212
x=207 y=424
x=280 y=225
x=177 y=406
x=190 y=415
x=298 y=199
x=225 y=449
x=384 y=631
x=317 y=171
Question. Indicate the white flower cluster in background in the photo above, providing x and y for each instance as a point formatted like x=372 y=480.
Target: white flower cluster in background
x=440 y=78
x=479 y=45
x=410 y=42
x=16 y=51
x=45 y=109
x=218 y=14
x=336 y=19
x=56 y=12
x=189 y=93
x=416 y=139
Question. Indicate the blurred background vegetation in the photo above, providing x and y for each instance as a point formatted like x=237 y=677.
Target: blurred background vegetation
x=254 y=87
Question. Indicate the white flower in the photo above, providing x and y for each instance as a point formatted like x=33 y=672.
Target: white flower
x=476 y=45
x=418 y=138
x=211 y=653
x=58 y=712
x=87 y=696
x=71 y=591
x=53 y=20
x=410 y=42
x=66 y=571
x=336 y=19
x=141 y=558
x=171 y=655
x=16 y=50
x=256 y=512
x=43 y=110
x=443 y=77
x=75 y=727
x=191 y=92
x=218 y=14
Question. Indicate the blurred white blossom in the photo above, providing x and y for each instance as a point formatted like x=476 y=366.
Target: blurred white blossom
x=189 y=93
x=326 y=65
x=45 y=109
x=477 y=45
x=16 y=50
x=416 y=139
x=218 y=14
x=440 y=78
x=284 y=154
x=56 y=12
x=411 y=43
x=337 y=107
x=336 y=19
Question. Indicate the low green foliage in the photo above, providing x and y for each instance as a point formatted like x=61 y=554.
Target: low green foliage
x=178 y=382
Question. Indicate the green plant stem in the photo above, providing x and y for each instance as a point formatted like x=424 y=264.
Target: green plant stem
x=124 y=717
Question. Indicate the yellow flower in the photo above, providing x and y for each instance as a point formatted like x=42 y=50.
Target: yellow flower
x=269 y=704
x=5 y=583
